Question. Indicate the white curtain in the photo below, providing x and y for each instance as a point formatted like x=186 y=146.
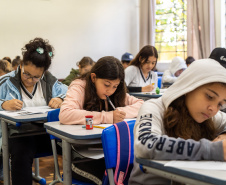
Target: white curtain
x=147 y=22
x=200 y=28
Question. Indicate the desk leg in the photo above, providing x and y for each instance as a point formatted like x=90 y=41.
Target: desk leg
x=5 y=148
x=67 y=163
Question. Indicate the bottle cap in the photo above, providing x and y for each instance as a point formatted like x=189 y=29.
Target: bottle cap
x=89 y=116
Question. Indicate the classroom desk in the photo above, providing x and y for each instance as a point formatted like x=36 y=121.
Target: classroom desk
x=183 y=175
x=145 y=95
x=7 y=120
x=72 y=134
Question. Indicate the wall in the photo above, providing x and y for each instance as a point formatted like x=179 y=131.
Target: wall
x=75 y=28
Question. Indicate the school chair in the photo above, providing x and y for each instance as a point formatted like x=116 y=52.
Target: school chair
x=35 y=174
x=159 y=82
x=117 y=142
x=54 y=116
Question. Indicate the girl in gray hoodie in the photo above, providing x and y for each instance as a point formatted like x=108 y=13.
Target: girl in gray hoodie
x=185 y=123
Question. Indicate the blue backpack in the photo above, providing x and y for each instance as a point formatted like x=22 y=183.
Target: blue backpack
x=117 y=142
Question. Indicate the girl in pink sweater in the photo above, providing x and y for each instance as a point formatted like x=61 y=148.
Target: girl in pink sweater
x=87 y=96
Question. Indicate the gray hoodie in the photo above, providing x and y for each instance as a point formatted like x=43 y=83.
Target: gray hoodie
x=169 y=74
x=150 y=139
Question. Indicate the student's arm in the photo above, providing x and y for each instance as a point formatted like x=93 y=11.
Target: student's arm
x=220 y=123
x=130 y=73
x=150 y=140
x=59 y=90
x=73 y=74
x=7 y=102
x=132 y=106
x=72 y=112
x=155 y=78
x=167 y=77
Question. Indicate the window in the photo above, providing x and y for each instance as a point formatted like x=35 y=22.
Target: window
x=171 y=29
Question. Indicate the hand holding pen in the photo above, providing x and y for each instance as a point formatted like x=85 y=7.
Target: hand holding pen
x=12 y=104
x=118 y=115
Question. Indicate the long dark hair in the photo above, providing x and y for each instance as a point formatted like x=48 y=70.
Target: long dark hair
x=146 y=52
x=105 y=68
x=179 y=123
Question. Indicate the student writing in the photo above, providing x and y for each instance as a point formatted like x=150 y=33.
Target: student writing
x=139 y=76
x=84 y=65
x=31 y=85
x=185 y=123
x=87 y=96
x=177 y=66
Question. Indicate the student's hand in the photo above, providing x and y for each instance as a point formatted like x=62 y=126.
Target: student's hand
x=148 y=88
x=13 y=104
x=55 y=103
x=220 y=137
x=118 y=116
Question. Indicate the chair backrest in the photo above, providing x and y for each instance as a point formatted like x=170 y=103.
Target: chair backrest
x=160 y=82
x=53 y=115
x=110 y=146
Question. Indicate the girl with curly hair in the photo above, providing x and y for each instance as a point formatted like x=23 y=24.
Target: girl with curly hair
x=30 y=85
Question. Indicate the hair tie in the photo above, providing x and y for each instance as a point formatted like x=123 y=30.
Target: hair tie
x=50 y=54
x=40 y=50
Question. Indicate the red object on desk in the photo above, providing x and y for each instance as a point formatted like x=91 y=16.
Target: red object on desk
x=89 y=122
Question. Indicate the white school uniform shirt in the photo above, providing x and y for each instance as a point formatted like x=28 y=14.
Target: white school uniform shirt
x=35 y=98
x=134 y=77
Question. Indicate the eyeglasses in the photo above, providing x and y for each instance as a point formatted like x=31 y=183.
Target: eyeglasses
x=28 y=76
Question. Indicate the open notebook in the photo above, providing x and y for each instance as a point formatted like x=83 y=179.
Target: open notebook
x=28 y=111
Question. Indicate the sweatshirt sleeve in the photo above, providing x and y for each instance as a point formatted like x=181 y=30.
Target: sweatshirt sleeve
x=220 y=122
x=132 y=106
x=130 y=73
x=150 y=140
x=167 y=77
x=155 y=79
x=72 y=112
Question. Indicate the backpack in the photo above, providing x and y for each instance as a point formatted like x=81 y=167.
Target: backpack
x=123 y=145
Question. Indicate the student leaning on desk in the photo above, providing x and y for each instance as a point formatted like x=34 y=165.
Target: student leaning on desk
x=30 y=85
x=185 y=123
x=89 y=96
x=140 y=75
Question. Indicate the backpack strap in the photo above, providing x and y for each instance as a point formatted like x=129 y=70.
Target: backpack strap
x=123 y=151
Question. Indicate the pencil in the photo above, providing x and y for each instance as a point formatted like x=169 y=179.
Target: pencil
x=98 y=127
x=110 y=102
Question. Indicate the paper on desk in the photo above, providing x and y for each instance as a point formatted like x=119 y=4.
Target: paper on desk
x=28 y=111
x=206 y=165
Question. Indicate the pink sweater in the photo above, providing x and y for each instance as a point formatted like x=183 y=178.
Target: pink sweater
x=72 y=112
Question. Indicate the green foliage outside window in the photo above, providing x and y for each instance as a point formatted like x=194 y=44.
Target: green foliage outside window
x=171 y=29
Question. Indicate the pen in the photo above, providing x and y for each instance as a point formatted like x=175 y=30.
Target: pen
x=12 y=96
x=110 y=102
